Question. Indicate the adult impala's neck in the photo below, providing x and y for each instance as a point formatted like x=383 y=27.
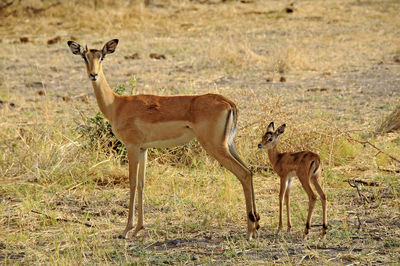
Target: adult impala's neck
x=273 y=154
x=105 y=96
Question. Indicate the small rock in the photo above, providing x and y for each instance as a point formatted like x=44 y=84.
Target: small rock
x=24 y=39
x=133 y=56
x=282 y=79
x=41 y=92
x=396 y=58
x=54 y=40
x=289 y=10
x=157 y=56
x=66 y=98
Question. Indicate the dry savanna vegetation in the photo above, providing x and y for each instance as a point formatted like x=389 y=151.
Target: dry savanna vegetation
x=328 y=69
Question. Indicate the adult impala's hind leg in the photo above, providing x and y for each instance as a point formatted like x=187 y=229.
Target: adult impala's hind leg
x=315 y=179
x=140 y=187
x=233 y=152
x=222 y=155
x=133 y=157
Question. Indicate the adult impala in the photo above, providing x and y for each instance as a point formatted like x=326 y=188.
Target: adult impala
x=305 y=165
x=147 y=121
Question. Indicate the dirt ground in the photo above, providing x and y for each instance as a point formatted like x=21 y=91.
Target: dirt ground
x=327 y=69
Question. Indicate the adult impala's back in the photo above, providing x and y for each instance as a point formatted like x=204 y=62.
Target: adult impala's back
x=145 y=121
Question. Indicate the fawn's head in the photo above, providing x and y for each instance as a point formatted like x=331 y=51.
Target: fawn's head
x=93 y=57
x=270 y=137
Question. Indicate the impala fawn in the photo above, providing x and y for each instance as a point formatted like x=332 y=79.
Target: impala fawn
x=305 y=165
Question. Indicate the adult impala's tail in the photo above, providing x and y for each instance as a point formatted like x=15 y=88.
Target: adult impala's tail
x=315 y=166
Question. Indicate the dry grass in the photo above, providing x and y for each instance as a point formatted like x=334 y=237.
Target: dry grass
x=336 y=57
x=391 y=122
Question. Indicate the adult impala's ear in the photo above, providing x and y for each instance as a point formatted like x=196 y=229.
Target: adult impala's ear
x=75 y=47
x=271 y=127
x=281 y=129
x=109 y=47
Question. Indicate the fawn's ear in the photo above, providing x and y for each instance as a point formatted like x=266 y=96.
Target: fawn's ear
x=110 y=47
x=75 y=48
x=271 y=127
x=281 y=129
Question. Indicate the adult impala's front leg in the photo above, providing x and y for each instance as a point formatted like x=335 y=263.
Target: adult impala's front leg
x=133 y=157
x=140 y=187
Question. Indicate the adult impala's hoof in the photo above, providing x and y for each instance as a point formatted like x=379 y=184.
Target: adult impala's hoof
x=137 y=229
x=307 y=229
x=324 y=231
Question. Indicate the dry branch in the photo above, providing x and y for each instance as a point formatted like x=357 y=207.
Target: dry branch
x=365 y=183
x=64 y=219
x=389 y=170
x=261 y=167
x=366 y=142
x=35 y=10
x=362 y=196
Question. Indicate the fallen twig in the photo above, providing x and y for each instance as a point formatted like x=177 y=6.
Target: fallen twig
x=64 y=219
x=365 y=183
x=389 y=170
x=261 y=167
x=35 y=10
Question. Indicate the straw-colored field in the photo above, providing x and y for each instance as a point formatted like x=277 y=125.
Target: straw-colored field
x=330 y=70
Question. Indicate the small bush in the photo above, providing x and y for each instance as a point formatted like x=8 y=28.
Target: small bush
x=98 y=130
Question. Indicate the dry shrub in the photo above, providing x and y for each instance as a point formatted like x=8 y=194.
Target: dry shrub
x=230 y=53
x=390 y=123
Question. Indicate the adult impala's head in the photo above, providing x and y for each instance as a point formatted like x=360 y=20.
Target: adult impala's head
x=93 y=57
x=270 y=137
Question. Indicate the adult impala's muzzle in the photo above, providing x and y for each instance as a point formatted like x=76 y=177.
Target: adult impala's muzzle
x=260 y=146
x=93 y=77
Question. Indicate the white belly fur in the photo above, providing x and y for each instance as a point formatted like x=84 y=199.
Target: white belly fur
x=289 y=179
x=166 y=134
